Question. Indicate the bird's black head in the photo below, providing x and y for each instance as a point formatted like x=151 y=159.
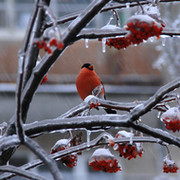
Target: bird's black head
x=88 y=66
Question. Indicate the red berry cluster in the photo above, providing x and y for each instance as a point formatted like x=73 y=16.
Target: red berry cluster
x=142 y=31
x=103 y=160
x=128 y=151
x=70 y=160
x=169 y=167
x=46 y=45
x=140 y=28
x=118 y=43
x=106 y=165
x=173 y=124
x=171 y=119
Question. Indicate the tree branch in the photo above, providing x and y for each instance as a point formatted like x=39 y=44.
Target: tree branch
x=21 y=172
x=79 y=148
x=51 y=164
x=105 y=33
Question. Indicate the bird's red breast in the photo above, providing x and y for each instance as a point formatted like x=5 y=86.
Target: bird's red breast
x=86 y=82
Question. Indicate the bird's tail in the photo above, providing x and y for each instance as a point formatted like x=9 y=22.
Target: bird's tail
x=110 y=111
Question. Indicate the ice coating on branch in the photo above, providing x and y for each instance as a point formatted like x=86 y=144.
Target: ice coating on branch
x=143 y=18
x=89 y=98
x=138 y=108
x=3 y=127
x=110 y=27
x=102 y=152
x=151 y=10
x=60 y=143
x=124 y=134
x=171 y=113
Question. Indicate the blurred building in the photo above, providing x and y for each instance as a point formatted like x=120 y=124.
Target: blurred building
x=128 y=75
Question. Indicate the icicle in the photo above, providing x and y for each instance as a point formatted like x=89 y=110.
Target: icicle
x=20 y=68
x=151 y=39
x=159 y=115
x=88 y=137
x=103 y=45
x=127 y=5
x=163 y=41
x=86 y=43
x=131 y=140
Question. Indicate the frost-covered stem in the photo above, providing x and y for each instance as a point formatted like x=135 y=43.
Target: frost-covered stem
x=68 y=38
x=86 y=122
x=36 y=23
x=157 y=133
x=51 y=164
x=21 y=172
x=75 y=111
x=119 y=5
x=19 y=125
x=82 y=147
x=8 y=142
x=155 y=99
x=100 y=33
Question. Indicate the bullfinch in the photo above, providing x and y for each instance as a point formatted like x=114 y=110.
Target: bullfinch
x=89 y=83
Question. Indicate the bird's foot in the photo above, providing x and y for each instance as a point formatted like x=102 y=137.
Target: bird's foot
x=92 y=101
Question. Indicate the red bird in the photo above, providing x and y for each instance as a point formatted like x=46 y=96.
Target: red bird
x=89 y=83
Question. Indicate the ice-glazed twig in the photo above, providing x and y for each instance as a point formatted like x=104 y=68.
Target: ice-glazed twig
x=51 y=164
x=21 y=172
x=75 y=111
x=100 y=33
x=79 y=148
x=111 y=6
x=8 y=142
x=148 y=105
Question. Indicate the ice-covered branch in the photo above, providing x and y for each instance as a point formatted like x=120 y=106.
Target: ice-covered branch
x=21 y=172
x=75 y=111
x=36 y=23
x=102 y=33
x=111 y=6
x=157 y=133
x=8 y=142
x=148 y=105
x=98 y=141
x=84 y=122
x=51 y=164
